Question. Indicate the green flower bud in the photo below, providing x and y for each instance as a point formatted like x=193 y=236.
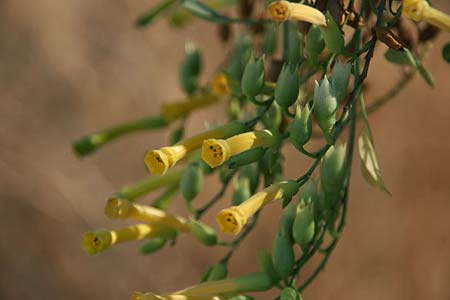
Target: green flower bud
x=288 y=84
x=190 y=69
x=289 y=293
x=152 y=245
x=193 y=59
x=188 y=82
x=191 y=182
x=314 y=44
x=300 y=130
x=295 y=44
x=241 y=191
x=340 y=79
x=251 y=172
x=203 y=233
x=270 y=39
x=309 y=193
x=332 y=171
x=289 y=188
x=303 y=228
x=246 y=157
x=253 y=78
x=325 y=108
x=239 y=58
x=272 y=119
x=216 y=272
x=266 y=265
x=332 y=35
x=283 y=257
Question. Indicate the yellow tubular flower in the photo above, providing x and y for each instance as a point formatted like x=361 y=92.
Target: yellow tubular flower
x=159 y=161
x=216 y=151
x=220 y=86
x=233 y=219
x=420 y=10
x=117 y=208
x=283 y=10
x=213 y=290
x=176 y=110
x=100 y=240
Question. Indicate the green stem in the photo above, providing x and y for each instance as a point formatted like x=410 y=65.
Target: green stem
x=148 y=185
x=148 y=16
x=90 y=143
x=201 y=211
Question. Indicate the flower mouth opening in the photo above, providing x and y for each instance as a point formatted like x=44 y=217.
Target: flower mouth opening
x=95 y=242
x=279 y=11
x=117 y=208
x=157 y=162
x=229 y=221
x=215 y=152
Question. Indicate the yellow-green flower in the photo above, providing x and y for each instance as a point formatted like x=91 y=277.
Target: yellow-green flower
x=175 y=110
x=420 y=10
x=159 y=161
x=216 y=151
x=100 y=240
x=283 y=10
x=117 y=208
x=233 y=219
x=214 y=290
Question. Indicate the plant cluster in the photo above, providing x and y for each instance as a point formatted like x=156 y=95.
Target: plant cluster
x=310 y=85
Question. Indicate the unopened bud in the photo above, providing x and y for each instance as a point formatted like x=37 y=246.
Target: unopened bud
x=270 y=39
x=190 y=69
x=314 y=44
x=245 y=158
x=325 y=108
x=340 y=79
x=332 y=169
x=203 y=233
x=283 y=257
x=216 y=272
x=266 y=265
x=289 y=293
x=191 y=182
x=153 y=245
x=303 y=228
x=273 y=118
x=332 y=35
x=288 y=84
x=295 y=41
x=253 y=78
x=300 y=130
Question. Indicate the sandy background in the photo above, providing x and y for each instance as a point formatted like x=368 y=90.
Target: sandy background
x=72 y=67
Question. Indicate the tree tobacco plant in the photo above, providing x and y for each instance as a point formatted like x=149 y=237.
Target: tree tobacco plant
x=295 y=72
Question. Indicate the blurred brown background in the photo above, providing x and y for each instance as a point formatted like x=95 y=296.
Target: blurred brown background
x=72 y=67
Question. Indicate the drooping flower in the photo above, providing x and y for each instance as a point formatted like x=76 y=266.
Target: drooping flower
x=216 y=151
x=420 y=10
x=100 y=240
x=283 y=10
x=214 y=290
x=233 y=219
x=159 y=161
x=117 y=208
